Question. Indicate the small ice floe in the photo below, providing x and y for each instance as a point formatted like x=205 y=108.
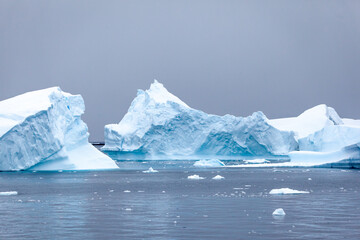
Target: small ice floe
x=286 y=191
x=127 y=191
x=150 y=170
x=9 y=193
x=128 y=209
x=256 y=161
x=209 y=163
x=195 y=177
x=218 y=177
x=111 y=190
x=279 y=212
x=309 y=179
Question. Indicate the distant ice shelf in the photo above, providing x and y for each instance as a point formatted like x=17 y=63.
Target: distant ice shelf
x=43 y=130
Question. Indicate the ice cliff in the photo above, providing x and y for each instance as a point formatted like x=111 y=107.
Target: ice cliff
x=43 y=130
x=160 y=125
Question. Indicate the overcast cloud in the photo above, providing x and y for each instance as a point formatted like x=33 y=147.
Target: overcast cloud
x=235 y=57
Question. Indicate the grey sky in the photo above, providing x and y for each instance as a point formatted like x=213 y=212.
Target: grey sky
x=235 y=57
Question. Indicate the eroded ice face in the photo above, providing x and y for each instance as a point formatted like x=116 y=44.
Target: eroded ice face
x=43 y=130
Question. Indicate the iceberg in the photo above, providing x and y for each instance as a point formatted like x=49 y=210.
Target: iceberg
x=286 y=191
x=320 y=129
x=218 y=177
x=195 y=177
x=324 y=138
x=209 y=163
x=9 y=193
x=279 y=212
x=43 y=130
x=150 y=170
x=309 y=122
x=158 y=125
x=256 y=161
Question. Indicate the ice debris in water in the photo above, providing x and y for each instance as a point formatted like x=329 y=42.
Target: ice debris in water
x=150 y=170
x=256 y=161
x=127 y=191
x=218 y=177
x=209 y=163
x=9 y=193
x=279 y=212
x=285 y=191
x=195 y=177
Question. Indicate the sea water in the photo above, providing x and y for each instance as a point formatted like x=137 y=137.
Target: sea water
x=130 y=204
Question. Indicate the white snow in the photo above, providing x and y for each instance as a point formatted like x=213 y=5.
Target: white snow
x=310 y=121
x=286 y=191
x=279 y=212
x=150 y=170
x=256 y=161
x=218 y=177
x=209 y=163
x=351 y=122
x=9 y=193
x=43 y=130
x=195 y=177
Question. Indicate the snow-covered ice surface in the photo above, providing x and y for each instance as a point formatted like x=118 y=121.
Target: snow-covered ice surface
x=324 y=138
x=286 y=191
x=309 y=122
x=158 y=125
x=43 y=130
x=166 y=205
x=279 y=212
x=209 y=163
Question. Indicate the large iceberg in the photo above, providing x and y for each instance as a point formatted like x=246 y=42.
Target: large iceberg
x=324 y=138
x=43 y=130
x=320 y=129
x=159 y=125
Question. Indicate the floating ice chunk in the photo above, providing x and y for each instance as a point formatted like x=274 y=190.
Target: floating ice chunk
x=218 y=177
x=279 y=212
x=127 y=191
x=150 y=170
x=195 y=177
x=286 y=191
x=8 y=193
x=256 y=161
x=209 y=163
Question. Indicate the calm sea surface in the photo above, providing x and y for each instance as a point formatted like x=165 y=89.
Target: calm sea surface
x=130 y=204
